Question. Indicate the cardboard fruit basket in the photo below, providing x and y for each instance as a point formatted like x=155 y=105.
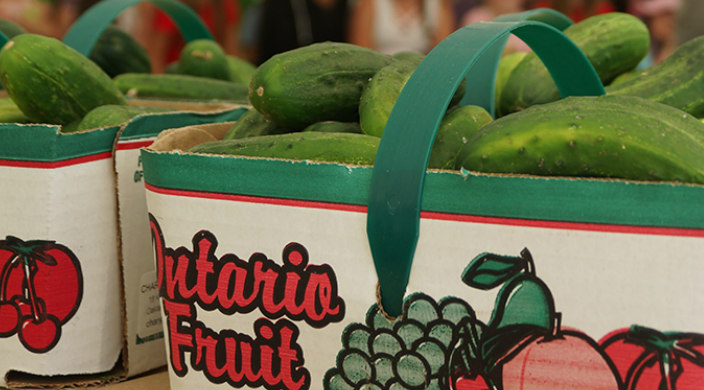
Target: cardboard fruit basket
x=78 y=304
x=273 y=273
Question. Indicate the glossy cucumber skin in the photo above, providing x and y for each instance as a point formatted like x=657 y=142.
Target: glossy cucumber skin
x=111 y=115
x=252 y=124
x=343 y=148
x=379 y=96
x=677 y=81
x=51 y=82
x=116 y=52
x=318 y=82
x=204 y=58
x=180 y=86
x=607 y=136
x=613 y=42
x=458 y=126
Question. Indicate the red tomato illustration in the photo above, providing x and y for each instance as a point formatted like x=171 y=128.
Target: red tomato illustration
x=648 y=359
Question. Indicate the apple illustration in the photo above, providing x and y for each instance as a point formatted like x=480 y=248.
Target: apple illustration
x=649 y=359
x=41 y=286
x=524 y=346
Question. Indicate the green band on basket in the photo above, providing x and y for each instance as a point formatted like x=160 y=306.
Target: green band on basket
x=84 y=33
x=399 y=171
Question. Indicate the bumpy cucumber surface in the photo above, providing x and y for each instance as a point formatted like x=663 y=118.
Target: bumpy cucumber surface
x=180 y=86
x=380 y=94
x=204 y=58
x=252 y=124
x=51 y=82
x=456 y=129
x=318 y=82
x=343 y=148
x=614 y=43
x=111 y=115
x=677 y=81
x=608 y=136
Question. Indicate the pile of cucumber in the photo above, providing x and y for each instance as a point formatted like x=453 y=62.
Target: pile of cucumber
x=48 y=82
x=647 y=127
x=330 y=102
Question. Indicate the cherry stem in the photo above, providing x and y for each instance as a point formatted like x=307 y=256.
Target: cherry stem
x=29 y=277
x=5 y=276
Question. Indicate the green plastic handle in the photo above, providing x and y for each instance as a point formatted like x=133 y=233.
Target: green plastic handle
x=481 y=87
x=3 y=39
x=393 y=215
x=84 y=33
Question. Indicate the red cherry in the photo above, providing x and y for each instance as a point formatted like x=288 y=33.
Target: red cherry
x=569 y=361
x=40 y=335
x=9 y=318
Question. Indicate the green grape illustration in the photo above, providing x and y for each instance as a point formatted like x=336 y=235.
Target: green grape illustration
x=410 y=352
x=409 y=331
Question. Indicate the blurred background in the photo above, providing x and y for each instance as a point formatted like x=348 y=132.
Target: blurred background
x=255 y=30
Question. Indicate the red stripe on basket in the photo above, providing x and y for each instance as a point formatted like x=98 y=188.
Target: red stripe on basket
x=55 y=164
x=537 y=223
x=129 y=145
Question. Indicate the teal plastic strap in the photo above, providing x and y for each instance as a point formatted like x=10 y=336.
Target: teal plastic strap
x=84 y=33
x=397 y=180
x=481 y=87
x=3 y=39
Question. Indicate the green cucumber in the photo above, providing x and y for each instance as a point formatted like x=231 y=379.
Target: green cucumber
x=335 y=127
x=456 y=128
x=252 y=124
x=116 y=52
x=241 y=70
x=623 y=77
x=677 y=81
x=10 y=28
x=51 y=82
x=111 y=115
x=317 y=82
x=343 y=148
x=179 y=86
x=380 y=94
x=506 y=65
x=607 y=136
x=204 y=58
x=614 y=43
x=10 y=113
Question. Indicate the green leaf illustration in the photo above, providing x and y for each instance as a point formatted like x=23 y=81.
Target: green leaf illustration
x=489 y=270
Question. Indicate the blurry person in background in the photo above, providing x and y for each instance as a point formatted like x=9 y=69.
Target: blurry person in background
x=660 y=17
x=392 y=26
x=488 y=10
x=288 y=24
x=51 y=18
x=689 y=21
x=577 y=10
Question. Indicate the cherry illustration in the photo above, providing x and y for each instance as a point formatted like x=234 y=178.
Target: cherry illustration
x=40 y=290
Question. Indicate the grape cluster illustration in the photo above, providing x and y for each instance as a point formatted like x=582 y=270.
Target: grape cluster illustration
x=410 y=352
